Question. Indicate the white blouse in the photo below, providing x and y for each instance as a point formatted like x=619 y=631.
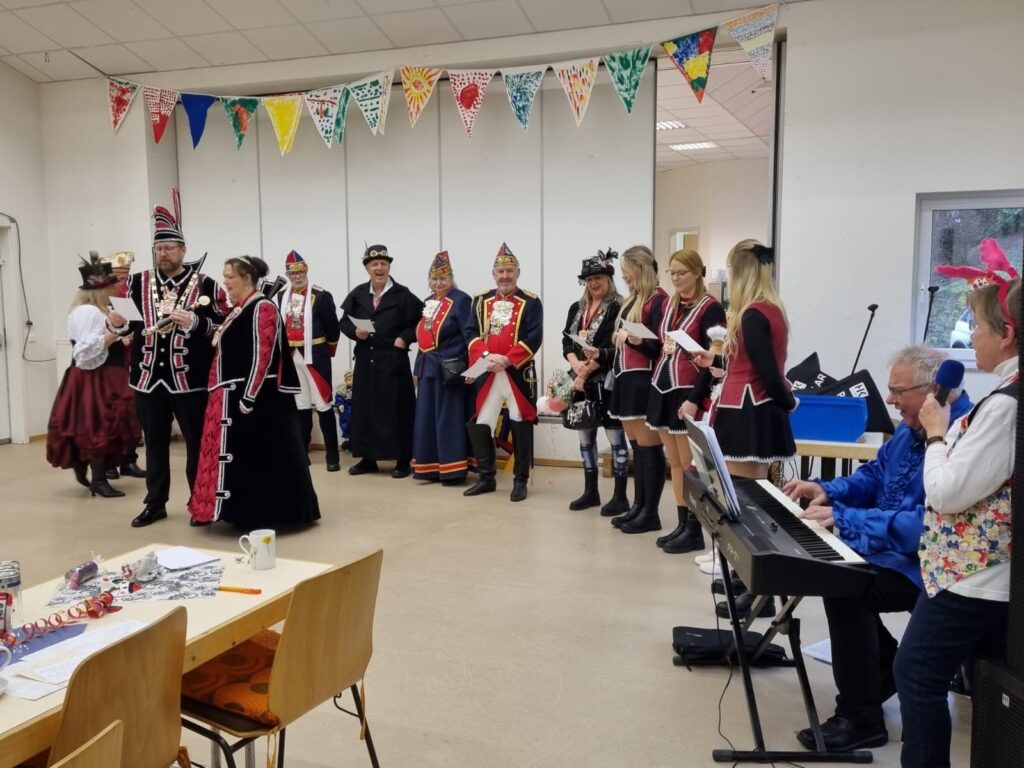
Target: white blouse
x=86 y=327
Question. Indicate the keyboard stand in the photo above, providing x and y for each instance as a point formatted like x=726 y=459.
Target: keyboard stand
x=785 y=623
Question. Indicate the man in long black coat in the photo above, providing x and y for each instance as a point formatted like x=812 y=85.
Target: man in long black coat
x=383 y=395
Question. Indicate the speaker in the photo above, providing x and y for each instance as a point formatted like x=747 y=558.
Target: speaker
x=997 y=724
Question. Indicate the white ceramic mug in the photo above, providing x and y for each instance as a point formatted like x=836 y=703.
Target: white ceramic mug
x=261 y=547
x=9 y=653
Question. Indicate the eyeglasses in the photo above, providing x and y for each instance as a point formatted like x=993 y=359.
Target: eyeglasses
x=900 y=391
x=678 y=272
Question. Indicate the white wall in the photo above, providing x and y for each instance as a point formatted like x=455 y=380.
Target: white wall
x=22 y=196
x=880 y=106
x=727 y=201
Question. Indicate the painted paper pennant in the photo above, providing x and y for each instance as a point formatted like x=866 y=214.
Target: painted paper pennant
x=161 y=104
x=196 y=106
x=692 y=56
x=418 y=84
x=120 y=95
x=323 y=106
x=521 y=84
x=372 y=94
x=626 y=69
x=468 y=88
x=284 y=112
x=577 y=79
x=755 y=32
x=339 y=122
x=241 y=112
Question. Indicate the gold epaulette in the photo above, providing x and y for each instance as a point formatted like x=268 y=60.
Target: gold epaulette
x=530 y=293
x=317 y=288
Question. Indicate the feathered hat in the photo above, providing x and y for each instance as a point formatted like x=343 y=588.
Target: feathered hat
x=505 y=257
x=441 y=266
x=167 y=224
x=995 y=262
x=601 y=264
x=96 y=273
x=376 y=252
x=294 y=262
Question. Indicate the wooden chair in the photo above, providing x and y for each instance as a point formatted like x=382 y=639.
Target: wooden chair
x=323 y=650
x=136 y=680
x=101 y=751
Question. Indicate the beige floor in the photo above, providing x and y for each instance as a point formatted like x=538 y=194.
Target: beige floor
x=507 y=635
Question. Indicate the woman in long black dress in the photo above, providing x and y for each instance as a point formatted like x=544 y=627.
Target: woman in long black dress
x=253 y=470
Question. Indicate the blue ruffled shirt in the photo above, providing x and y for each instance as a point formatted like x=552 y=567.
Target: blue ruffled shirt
x=879 y=509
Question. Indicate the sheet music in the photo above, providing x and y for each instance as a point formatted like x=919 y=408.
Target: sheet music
x=716 y=466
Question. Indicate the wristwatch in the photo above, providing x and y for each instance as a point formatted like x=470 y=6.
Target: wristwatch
x=934 y=439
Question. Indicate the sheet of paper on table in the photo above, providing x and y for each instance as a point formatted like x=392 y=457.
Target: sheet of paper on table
x=639 y=330
x=180 y=558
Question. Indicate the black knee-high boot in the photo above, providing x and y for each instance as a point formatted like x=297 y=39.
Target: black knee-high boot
x=590 y=497
x=654 y=483
x=638 y=487
x=482 y=443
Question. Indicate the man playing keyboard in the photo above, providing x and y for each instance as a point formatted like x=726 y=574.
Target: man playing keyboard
x=878 y=512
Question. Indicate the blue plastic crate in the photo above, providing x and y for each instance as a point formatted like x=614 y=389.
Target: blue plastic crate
x=829 y=417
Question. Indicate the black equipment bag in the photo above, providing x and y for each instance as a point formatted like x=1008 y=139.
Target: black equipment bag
x=696 y=647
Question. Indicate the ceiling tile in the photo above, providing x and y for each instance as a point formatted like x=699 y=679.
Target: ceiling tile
x=114 y=59
x=166 y=55
x=62 y=65
x=291 y=42
x=641 y=10
x=547 y=15
x=411 y=28
x=17 y=36
x=391 y=6
x=61 y=23
x=185 y=17
x=224 y=48
x=494 y=18
x=26 y=69
x=122 y=19
x=320 y=10
x=247 y=14
x=714 y=6
x=350 y=35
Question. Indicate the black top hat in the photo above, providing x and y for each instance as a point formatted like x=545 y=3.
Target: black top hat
x=598 y=265
x=96 y=273
x=376 y=252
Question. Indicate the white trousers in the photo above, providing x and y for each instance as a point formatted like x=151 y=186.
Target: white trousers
x=308 y=395
x=498 y=395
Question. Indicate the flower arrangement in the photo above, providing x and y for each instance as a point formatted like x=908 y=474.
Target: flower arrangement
x=558 y=393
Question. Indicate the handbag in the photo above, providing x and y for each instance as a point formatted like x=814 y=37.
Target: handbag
x=452 y=369
x=582 y=413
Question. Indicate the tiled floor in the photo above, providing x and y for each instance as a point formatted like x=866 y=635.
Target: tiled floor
x=507 y=635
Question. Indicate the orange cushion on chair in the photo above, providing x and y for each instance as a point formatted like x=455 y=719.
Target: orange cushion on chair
x=238 y=680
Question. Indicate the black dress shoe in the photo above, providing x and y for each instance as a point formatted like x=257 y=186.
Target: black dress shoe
x=518 y=490
x=843 y=735
x=400 y=471
x=718 y=587
x=743 y=605
x=198 y=523
x=333 y=466
x=149 y=515
x=112 y=474
x=131 y=469
x=483 y=485
x=363 y=467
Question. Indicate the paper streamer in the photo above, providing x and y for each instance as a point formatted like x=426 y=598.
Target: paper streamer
x=418 y=85
x=120 y=95
x=755 y=32
x=323 y=106
x=577 y=79
x=626 y=69
x=468 y=88
x=284 y=112
x=196 y=106
x=161 y=104
x=240 y=111
x=692 y=56
x=521 y=84
x=372 y=94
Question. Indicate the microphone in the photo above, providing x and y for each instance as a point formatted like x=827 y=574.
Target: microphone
x=871 y=309
x=950 y=376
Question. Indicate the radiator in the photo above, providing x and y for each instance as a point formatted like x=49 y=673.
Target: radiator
x=63 y=357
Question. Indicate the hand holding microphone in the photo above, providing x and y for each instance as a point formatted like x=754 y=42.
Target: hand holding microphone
x=934 y=416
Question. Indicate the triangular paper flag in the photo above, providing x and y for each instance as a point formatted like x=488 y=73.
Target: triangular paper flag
x=692 y=56
x=755 y=32
x=241 y=111
x=418 y=84
x=284 y=112
x=339 y=122
x=468 y=87
x=120 y=95
x=577 y=79
x=626 y=68
x=521 y=84
x=323 y=108
x=161 y=104
x=196 y=106
x=372 y=94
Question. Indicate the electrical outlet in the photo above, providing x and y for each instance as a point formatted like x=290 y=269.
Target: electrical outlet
x=32 y=337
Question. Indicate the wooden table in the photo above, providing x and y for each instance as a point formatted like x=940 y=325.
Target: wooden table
x=828 y=451
x=214 y=625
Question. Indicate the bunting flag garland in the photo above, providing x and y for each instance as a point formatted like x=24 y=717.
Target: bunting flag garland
x=468 y=88
x=284 y=112
x=372 y=95
x=241 y=111
x=692 y=56
x=521 y=85
x=161 y=104
x=196 y=106
x=339 y=123
x=577 y=79
x=120 y=95
x=323 y=108
x=755 y=32
x=626 y=69
x=418 y=84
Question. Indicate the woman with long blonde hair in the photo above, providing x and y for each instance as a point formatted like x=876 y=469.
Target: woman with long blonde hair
x=751 y=415
x=632 y=360
x=679 y=387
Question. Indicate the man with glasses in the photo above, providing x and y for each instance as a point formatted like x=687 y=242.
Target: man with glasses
x=877 y=511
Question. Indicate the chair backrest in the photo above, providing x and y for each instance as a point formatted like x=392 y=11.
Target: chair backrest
x=327 y=639
x=136 y=680
x=102 y=751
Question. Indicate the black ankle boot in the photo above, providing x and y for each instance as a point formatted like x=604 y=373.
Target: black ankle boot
x=99 y=485
x=81 y=470
x=590 y=497
x=638 y=487
x=683 y=513
x=691 y=540
x=618 y=503
x=649 y=518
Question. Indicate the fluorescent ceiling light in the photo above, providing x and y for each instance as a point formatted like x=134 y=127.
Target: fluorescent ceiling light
x=693 y=145
x=668 y=125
